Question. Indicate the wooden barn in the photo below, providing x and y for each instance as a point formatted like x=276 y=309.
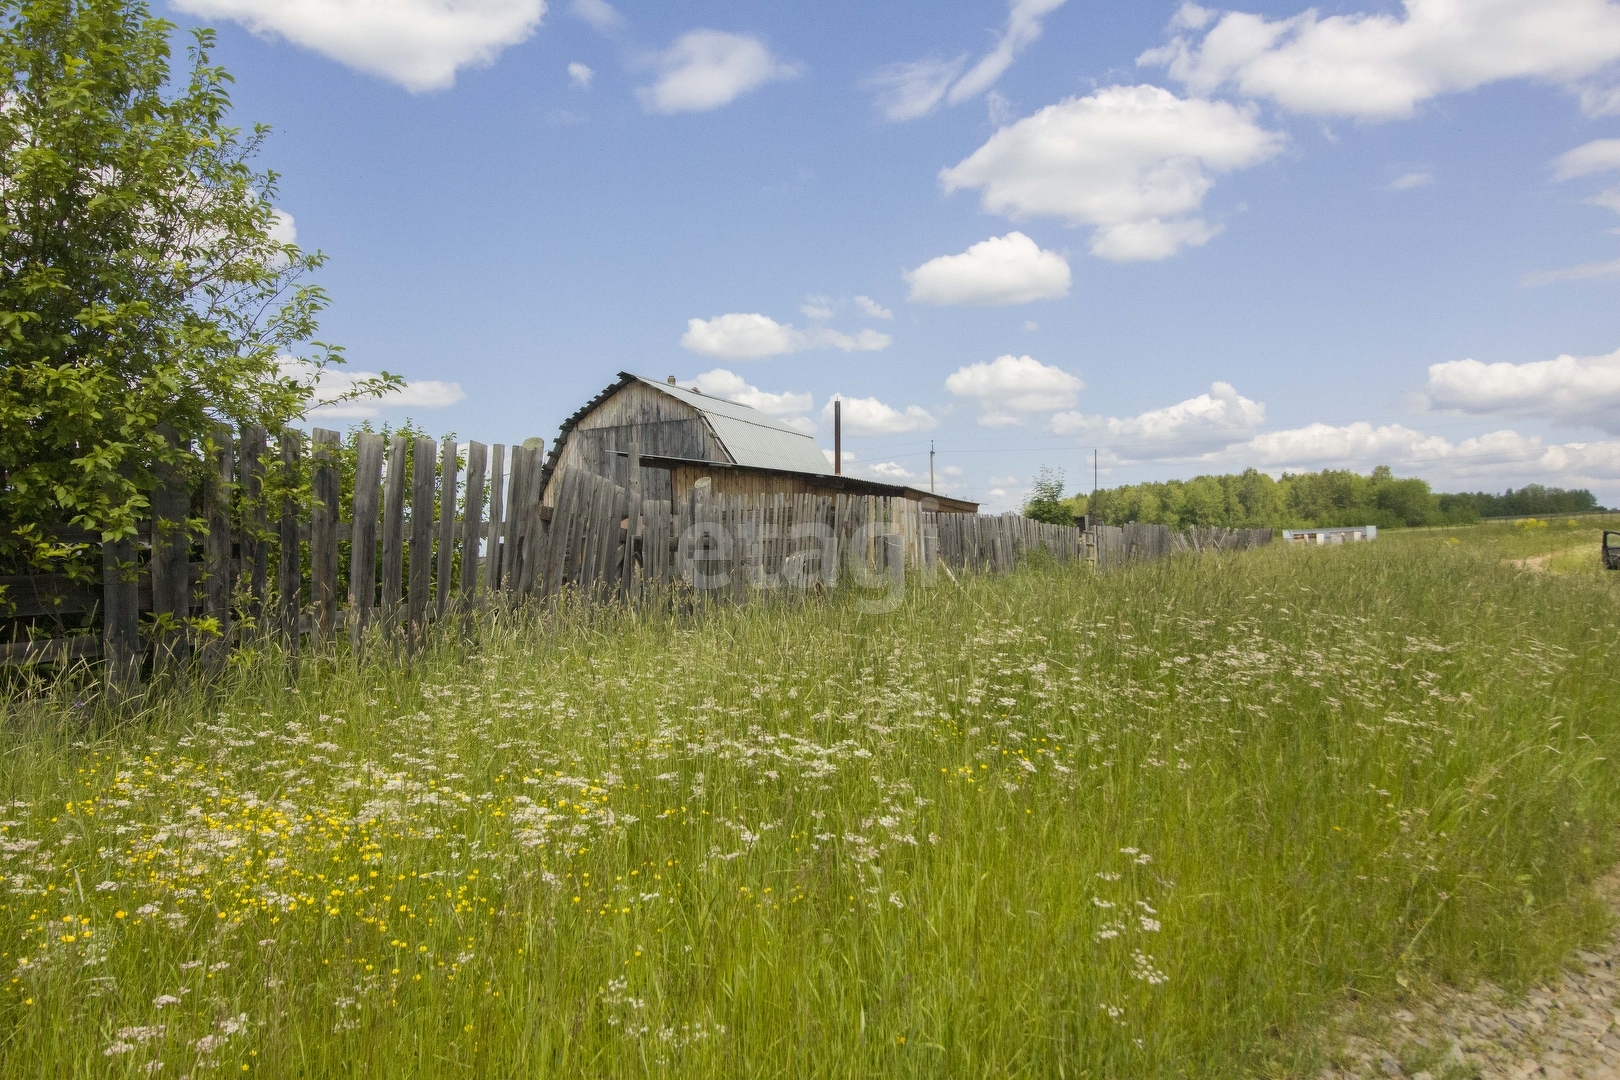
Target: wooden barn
x=686 y=438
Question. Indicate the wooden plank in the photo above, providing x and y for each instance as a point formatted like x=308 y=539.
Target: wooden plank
x=120 y=618
x=393 y=531
x=217 y=478
x=589 y=511
x=171 y=556
x=323 y=529
x=558 y=534
x=447 y=523
x=472 y=519
x=255 y=522
x=532 y=565
x=57 y=651
x=289 y=572
x=511 y=549
x=741 y=541
x=420 y=592
x=363 y=550
x=629 y=580
x=497 y=493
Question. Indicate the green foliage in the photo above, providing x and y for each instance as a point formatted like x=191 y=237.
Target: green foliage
x=1253 y=500
x=1045 y=501
x=141 y=283
x=1530 y=499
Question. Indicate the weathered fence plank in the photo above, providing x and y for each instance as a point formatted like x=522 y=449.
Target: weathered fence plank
x=326 y=487
x=421 y=539
x=472 y=520
x=363 y=546
x=217 y=480
x=393 y=531
x=289 y=576
x=447 y=523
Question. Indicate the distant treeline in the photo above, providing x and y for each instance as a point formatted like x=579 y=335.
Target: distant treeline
x=1253 y=500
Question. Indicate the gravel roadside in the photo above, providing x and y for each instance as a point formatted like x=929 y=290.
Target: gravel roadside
x=1567 y=1028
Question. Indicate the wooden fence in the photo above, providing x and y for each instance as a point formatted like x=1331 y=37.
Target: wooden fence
x=429 y=530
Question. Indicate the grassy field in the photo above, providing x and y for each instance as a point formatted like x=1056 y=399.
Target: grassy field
x=1161 y=822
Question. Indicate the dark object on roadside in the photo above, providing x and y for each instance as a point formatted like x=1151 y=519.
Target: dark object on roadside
x=1611 y=552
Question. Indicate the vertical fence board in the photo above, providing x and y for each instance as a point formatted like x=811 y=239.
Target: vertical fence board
x=217 y=478
x=363 y=548
x=497 y=506
x=393 y=530
x=472 y=520
x=120 y=617
x=255 y=525
x=447 y=522
x=323 y=532
x=171 y=559
x=421 y=538
x=289 y=568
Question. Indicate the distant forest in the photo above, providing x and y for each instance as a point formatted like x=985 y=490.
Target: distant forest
x=1251 y=499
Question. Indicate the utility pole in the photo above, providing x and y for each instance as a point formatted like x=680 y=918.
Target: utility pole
x=1094 y=474
x=838 y=437
x=930 y=465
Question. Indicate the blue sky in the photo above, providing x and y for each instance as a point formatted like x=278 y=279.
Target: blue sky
x=1198 y=239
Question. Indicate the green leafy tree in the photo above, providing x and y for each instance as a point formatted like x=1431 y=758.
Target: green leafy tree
x=142 y=282
x=1045 y=499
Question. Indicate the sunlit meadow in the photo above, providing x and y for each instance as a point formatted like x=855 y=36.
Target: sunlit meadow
x=1165 y=821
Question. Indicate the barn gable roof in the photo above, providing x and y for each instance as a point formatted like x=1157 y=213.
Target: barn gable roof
x=749 y=436
x=754 y=441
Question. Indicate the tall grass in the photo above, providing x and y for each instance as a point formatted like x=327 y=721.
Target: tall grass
x=1157 y=822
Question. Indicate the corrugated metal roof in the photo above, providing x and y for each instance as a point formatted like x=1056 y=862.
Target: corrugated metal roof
x=751 y=437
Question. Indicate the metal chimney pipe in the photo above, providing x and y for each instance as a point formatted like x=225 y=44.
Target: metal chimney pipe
x=838 y=437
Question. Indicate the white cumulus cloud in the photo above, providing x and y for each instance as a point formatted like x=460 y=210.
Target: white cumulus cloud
x=705 y=69
x=733 y=387
x=1009 y=269
x=1134 y=162
x=869 y=416
x=1599 y=155
x=336 y=382
x=1382 y=66
x=580 y=75
x=738 y=336
x=599 y=13
x=1191 y=428
x=1583 y=390
x=915 y=88
x=420 y=44
x=1010 y=387
x=283 y=230
x=1583 y=272
x=872 y=309
x=1411 y=180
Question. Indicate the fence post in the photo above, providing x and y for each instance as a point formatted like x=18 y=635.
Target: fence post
x=171 y=558
x=363 y=547
x=217 y=477
x=393 y=530
x=472 y=520
x=421 y=569
x=289 y=570
x=323 y=535
x=255 y=549
x=629 y=581
x=447 y=521
x=120 y=618
x=497 y=507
